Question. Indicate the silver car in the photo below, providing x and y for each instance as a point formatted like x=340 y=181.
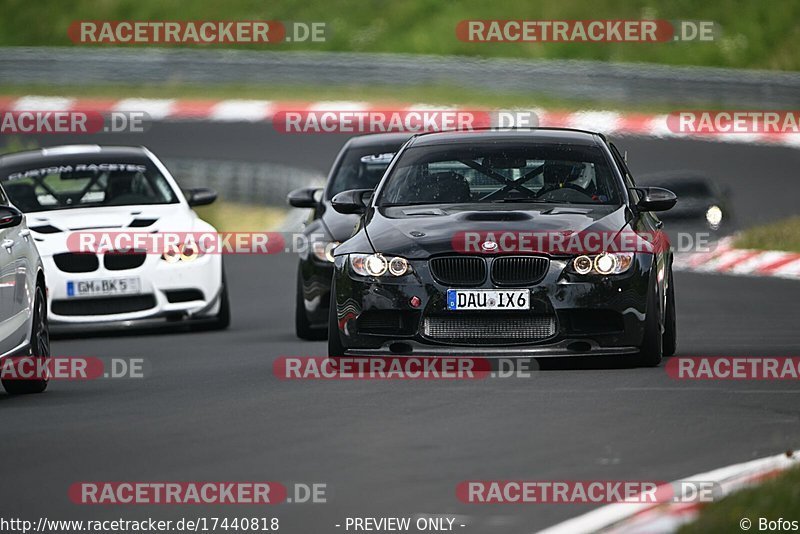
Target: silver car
x=23 y=302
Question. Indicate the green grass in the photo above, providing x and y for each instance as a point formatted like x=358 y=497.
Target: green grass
x=429 y=94
x=780 y=235
x=776 y=498
x=754 y=34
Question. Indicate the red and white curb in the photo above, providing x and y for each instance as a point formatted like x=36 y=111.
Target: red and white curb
x=655 y=518
x=610 y=122
x=726 y=259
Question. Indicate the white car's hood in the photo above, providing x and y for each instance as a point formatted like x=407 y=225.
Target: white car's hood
x=52 y=228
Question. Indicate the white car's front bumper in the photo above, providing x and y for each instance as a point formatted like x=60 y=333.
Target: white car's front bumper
x=168 y=292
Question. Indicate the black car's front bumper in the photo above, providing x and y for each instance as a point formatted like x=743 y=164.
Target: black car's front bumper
x=592 y=315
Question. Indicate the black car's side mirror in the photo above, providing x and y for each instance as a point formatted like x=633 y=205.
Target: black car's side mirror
x=655 y=199
x=10 y=217
x=352 y=201
x=200 y=196
x=307 y=197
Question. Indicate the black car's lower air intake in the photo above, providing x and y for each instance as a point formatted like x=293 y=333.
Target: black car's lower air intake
x=486 y=328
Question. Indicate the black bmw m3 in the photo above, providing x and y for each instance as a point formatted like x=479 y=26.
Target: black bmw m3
x=441 y=263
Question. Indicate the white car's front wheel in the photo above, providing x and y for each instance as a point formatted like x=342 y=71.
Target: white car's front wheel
x=40 y=350
x=223 y=317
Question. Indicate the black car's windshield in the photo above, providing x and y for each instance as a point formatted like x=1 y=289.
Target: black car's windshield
x=361 y=168
x=79 y=183
x=495 y=172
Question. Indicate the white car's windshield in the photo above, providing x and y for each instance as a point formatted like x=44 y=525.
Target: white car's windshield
x=56 y=185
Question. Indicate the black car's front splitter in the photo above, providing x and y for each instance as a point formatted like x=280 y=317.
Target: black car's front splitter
x=560 y=349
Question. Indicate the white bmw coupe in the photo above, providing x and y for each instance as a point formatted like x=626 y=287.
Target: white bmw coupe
x=90 y=188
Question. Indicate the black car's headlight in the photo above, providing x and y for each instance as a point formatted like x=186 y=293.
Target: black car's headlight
x=606 y=263
x=378 y=265
x=323 y=250
x=714 y=216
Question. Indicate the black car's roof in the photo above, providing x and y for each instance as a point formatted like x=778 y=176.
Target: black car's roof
x=58 y=152
x=547 y=135
x=378 y=139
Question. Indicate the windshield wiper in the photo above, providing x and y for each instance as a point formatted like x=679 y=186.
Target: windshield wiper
x=419 y=203
x=525 y=200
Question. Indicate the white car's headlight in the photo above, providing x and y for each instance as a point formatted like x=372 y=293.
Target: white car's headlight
x=186 y=252
x=323 y=250
x=378 y=265
x=606 y=263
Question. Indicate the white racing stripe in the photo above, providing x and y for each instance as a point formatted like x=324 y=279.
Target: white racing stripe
x=43 y=103
x=156 y=108
x=242 y=111
x=341 y=105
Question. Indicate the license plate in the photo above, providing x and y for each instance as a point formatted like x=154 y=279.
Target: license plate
x=488 y=299
x=102 y=288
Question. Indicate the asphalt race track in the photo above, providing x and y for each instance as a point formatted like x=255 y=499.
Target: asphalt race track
x=211 y=409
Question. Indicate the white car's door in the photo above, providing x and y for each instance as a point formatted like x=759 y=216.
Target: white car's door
x=15 y=268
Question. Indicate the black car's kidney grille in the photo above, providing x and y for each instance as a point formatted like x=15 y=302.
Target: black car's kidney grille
x=103 y=305
x=483 y=328
x=123 y=260
x=70 y=262
x=519 y=270
x=459 y=270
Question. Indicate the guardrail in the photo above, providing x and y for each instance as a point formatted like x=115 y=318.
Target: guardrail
x=250 y=183
x=639 y=83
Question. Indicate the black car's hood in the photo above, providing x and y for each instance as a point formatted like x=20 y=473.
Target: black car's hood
x=422 y=231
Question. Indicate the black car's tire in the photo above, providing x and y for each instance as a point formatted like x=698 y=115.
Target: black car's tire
x=40 y=348
x=670 y=342
x=335 y=347
x=652 y=349
x=302 y=326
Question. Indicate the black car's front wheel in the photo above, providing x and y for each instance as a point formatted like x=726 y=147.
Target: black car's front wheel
x=40 y=350
x=335 y=347
x=302 y=326
x=651 y=350
x=670 y=342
